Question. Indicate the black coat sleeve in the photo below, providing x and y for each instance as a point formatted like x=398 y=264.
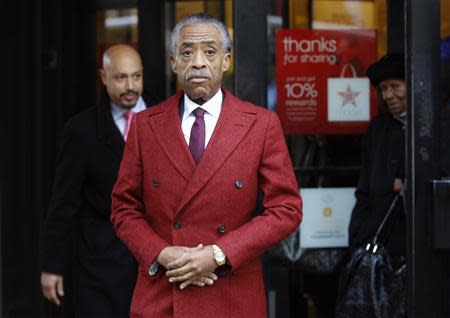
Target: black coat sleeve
x=65 y=201
x=361 y=210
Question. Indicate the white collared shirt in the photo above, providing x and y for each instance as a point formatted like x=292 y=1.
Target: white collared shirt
x=212 y=108
x=117 y=113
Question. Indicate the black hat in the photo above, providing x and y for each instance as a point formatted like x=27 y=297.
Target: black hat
x=389 y=66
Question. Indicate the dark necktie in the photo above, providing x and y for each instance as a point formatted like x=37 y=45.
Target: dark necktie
x=197 y=138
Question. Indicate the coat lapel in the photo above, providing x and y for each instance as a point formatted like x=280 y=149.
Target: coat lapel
x=231 y=128
x=166 y=126
x=107 y=130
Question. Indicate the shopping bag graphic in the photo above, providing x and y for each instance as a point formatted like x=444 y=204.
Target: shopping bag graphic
x=348 y=97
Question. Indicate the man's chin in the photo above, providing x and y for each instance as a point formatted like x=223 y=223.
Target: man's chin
x=199 y=96
x=128 y=105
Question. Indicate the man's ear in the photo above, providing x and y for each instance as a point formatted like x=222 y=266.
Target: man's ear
x=173 y=63
x=226 y=62
x=103 y=76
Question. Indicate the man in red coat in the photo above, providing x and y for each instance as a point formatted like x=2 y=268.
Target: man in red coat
x=188 y=184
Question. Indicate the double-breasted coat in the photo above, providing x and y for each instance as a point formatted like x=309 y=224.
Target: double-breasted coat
x=162 y=199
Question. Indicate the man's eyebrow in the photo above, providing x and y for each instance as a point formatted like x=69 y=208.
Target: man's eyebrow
x=192 y=42
x=126 y=74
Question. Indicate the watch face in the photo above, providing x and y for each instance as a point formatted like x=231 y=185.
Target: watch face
x=220 y=256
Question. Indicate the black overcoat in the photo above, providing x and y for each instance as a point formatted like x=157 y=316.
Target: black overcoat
x=383 y=153
x=86 y=171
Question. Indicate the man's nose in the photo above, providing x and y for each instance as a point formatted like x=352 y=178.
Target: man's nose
x=199 y=59
x=130 y=82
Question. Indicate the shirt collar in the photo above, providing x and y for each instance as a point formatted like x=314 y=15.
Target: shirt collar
x=118 y=111
x=401 y=118
x=212 y=107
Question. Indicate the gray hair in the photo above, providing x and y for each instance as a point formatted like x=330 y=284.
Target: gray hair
x=200 y=18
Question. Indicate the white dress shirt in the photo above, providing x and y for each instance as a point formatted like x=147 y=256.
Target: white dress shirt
x=117 y=113
x=212 y=108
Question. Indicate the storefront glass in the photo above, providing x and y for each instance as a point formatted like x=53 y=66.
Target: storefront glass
x=445 y=87
x=322 y=157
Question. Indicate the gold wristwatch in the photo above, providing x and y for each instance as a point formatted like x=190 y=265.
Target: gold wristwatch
x=219 y=256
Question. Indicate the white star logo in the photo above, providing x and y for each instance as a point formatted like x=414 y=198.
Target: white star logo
x=348 y=96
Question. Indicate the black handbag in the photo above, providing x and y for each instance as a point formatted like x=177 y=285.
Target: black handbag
x=372 y=284
x=315 y=260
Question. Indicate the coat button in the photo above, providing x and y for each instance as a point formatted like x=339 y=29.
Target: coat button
x=221 y=229
x=155 y=183
x=239 y=184
x=177 y=225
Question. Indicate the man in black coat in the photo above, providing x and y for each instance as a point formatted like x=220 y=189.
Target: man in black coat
x=383 y=165
x=86 y=171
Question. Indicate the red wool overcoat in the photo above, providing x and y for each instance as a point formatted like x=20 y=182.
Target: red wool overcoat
x=162 y=199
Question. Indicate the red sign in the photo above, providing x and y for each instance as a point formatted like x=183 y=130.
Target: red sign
x=321 y=83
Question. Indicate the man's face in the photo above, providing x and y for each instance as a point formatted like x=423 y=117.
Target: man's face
x=393 y=92
x=200 y=61
x=122 y=77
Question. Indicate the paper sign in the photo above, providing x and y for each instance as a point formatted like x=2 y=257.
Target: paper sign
x=326 y=216
x=310 y=65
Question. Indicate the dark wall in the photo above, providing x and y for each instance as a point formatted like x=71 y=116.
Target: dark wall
x=151 y=33
x=396 y=26
x=23 y=192
x=429 y=259
x=44 y=44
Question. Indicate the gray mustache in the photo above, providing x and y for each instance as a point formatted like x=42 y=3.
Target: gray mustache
x=193 y=74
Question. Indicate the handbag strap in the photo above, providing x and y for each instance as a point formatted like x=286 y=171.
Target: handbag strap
x=386 y=217
x=374 y=243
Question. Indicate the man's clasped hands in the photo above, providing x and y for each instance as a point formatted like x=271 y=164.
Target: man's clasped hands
x=189 y=265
